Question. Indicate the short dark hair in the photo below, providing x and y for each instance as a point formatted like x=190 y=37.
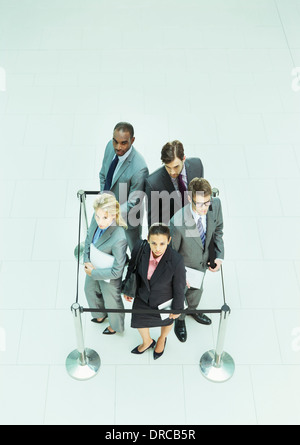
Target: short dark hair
x=200 y=185
x=159 y=229
x=125 y=126
x=172 y=150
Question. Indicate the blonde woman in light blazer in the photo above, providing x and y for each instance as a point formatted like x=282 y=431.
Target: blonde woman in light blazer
x=107 y=233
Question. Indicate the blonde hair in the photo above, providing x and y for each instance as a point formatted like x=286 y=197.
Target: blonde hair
x=108 y=202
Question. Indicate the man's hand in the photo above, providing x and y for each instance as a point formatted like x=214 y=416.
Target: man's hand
x=218 y=266
x=128 y=298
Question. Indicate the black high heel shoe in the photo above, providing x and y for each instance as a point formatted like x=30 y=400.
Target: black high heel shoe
x=94 y=320
x=156 y=355
x=136 y=351
x=108 y=332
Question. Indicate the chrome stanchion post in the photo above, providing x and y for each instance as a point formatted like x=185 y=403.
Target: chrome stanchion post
x=81 y=196
x=217 y=365
x=215 y=192
x=82 y=363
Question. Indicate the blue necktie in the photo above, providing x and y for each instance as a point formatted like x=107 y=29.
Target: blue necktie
x=110 y=173
x=201 y=230
x=97 y=235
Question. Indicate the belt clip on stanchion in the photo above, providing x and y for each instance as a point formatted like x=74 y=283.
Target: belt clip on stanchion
x=217 y=365
x=80 y=246
x=82 y=363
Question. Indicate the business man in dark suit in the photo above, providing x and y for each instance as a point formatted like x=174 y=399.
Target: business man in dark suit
x=166 y=187
x=123 y=173
x=196 y=230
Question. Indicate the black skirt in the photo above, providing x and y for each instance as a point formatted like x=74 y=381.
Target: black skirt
x=147 y=320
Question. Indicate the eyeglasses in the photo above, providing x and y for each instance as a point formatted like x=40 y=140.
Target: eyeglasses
x=202 y=204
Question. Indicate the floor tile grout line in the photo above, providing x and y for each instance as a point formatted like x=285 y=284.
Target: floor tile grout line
x=115 y=398
x=253 y=393
x=20 y=336
x=184 y=396
x=46 y=395
x=284 y=32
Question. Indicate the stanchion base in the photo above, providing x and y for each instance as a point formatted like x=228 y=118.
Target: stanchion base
x=81 y=251
x=83 y=372
x=214 y=373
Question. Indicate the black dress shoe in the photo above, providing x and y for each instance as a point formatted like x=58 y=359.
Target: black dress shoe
x=136 y=351
x=108 y=332
x=156 y=355
x=94 y=320
x=180 y=330
x=201 y=318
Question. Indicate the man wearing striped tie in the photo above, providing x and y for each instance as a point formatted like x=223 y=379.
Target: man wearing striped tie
x=197 y=232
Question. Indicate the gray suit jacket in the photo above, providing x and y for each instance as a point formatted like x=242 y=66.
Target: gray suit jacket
x=131 y=175
x=113 y=241
x=186 y=239
x=160 y=181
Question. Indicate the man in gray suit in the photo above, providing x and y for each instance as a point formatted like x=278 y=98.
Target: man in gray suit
x=166 y=187
x=123 y=172
x=197 y=233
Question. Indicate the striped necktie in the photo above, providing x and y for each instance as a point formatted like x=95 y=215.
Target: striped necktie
x=201 y=230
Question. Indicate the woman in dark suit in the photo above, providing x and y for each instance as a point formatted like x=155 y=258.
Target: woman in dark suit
x=161 y=277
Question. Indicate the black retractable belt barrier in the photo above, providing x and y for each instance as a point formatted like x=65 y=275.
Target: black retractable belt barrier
x=84 y=363
x=155 y=311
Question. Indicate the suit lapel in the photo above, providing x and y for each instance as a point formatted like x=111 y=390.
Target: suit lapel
x=191 y=227
x=105 y=236
x=109 y=158
x=144 y=265
x=123 y=167
x=161 y=267
x=167 y=181
x=188 y=171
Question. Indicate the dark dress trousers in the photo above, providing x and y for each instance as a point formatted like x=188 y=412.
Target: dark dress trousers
x=163 y=209
x=168 y=281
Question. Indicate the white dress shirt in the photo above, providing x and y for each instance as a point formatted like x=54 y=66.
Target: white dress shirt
x=121 y=161
x=196 y=216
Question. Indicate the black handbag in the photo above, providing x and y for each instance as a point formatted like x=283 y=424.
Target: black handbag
x=130 y=284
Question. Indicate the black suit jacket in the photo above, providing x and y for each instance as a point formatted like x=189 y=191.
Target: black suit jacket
x=162 y=209
x=168 y=280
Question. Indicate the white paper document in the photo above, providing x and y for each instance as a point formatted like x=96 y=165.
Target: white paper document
x=194 y=277
x=101 y=260
x=166 y=305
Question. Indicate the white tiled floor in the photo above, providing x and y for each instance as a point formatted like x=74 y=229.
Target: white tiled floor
x=218 y=76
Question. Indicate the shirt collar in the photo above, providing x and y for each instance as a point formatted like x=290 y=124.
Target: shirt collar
x=182 y=173
x=125 y=156
x=196 y=215
x=156 y=260
x=103 y=230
